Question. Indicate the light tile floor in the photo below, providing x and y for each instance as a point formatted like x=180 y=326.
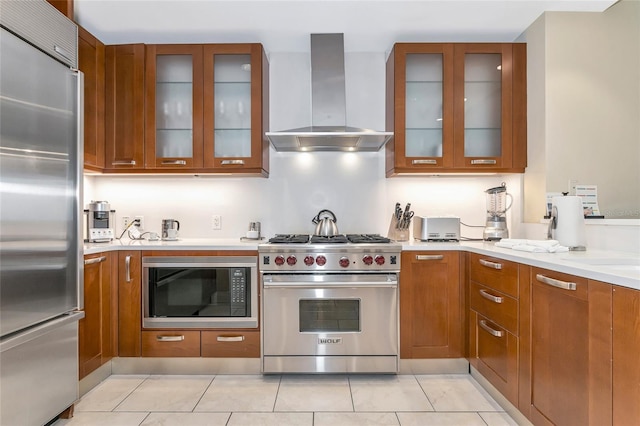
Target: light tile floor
x=297 y=400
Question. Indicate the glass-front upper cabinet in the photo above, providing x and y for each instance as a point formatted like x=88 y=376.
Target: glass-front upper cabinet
x=452 y=108
x=235 y=108
x=173 y=106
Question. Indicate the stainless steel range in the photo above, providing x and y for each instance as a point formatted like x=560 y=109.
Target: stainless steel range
x=330 y=304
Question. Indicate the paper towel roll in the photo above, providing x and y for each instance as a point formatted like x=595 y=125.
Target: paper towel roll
x=569 y=228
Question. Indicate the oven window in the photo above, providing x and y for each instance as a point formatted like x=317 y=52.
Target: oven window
x=329 y=315
x=199 y=292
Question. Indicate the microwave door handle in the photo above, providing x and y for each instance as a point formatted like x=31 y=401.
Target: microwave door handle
x=294 y=286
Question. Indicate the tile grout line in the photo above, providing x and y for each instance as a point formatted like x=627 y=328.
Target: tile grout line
x=113 y=410
x=203 y=393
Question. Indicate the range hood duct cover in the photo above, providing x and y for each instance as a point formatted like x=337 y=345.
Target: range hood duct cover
x=328 y=131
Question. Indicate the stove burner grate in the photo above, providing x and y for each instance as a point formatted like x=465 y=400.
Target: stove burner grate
x=328 y=239
x=367 y=238
x=290 y=239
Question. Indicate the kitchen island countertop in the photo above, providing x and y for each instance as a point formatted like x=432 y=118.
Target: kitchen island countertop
x=620 y=268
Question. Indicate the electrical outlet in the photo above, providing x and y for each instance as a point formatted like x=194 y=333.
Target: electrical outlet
x=216 y=222
x=140 y=225
x=125 y=221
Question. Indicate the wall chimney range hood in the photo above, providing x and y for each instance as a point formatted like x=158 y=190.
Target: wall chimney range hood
x=328 y=130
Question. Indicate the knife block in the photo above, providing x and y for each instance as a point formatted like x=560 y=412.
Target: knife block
x=395 y=233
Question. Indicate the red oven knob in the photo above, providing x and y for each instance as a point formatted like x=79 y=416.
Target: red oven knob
x=291 y=260
x=279 y=260
x=321 y=260
x=379 y=260
x=344 y=261
x=367 y=259
x=308 y=260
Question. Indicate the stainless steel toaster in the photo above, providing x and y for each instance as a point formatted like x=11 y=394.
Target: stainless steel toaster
x=436 y=228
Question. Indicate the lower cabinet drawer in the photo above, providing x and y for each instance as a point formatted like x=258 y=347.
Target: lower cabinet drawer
x=502 y=309
x=171 y=343
x=497 y=354
x=231 y=344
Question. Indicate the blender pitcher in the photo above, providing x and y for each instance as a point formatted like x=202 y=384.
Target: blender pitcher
x=496 y=225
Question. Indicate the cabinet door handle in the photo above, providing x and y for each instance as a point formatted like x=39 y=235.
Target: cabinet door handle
x=490 y=330
x=124 y=163
x=230 y=338
x=424 y=162
x=483 y=161
x=95 y=260
x=127 y=268
x=488 y=264
x=490 y=296
x=429 y=257
x=174 y=163
x=232 y=162
x=169 y=338
x=556 y=283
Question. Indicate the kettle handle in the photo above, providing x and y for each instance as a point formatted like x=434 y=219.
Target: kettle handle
x=317 y=218
x=178 y=228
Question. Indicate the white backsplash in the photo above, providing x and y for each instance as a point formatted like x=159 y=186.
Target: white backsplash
x=352 y=185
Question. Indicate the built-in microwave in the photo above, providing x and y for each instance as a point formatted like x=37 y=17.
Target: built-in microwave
x=199 y=292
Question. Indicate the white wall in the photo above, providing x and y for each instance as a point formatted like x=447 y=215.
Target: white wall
x=584 y=107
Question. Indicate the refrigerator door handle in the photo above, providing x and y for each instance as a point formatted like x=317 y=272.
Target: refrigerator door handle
x=79 y=179
x=39 y=330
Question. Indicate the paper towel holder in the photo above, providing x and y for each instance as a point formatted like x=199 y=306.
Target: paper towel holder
x=553 y=225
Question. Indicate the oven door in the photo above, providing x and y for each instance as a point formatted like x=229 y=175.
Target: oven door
x=311 y=322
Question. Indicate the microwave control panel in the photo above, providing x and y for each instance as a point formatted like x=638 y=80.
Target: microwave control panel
x=238 y=292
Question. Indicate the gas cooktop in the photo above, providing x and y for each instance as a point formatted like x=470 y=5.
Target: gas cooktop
x=333 y=239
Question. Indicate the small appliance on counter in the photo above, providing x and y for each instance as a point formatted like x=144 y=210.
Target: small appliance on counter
x=496 y=225
x=170 y=228
x=99 y=222
x=567 y=222
x=436 y=228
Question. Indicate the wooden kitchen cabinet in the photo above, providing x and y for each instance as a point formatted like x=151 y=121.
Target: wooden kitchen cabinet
x=626 y=350
x=91 y=60
x=124 y=108
x=431 y=316
x=456 y=107
x=97 y=330
x=236 y=109
x=171 y=343
x=129 y=303
x=571 y=350
x=498 y=305
x=230 y=343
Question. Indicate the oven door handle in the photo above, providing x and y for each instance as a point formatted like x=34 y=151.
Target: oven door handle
x=317 y=286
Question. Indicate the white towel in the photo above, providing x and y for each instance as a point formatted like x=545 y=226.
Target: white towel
x=532 y=246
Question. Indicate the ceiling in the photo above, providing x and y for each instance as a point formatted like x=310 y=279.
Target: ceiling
x=285 y=26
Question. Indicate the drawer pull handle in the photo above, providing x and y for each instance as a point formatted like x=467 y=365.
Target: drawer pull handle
x=490 y=296
x=124 y=163
x=232 y=162
x=174 y=163
x=230 y=338
x=491 y=331
x=169 y=338
x=424 y=162
x=95 y=260
x=488 y=264
x=556 y=283
x=429 y=257
x=483 y=162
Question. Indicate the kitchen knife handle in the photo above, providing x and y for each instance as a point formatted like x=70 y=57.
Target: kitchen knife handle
x=127 y=268
x=232 y=162
x=424 y=162
x=473 y=162
x=170 y=338
x=490 y=296
x=556 y=283
x=174 y=163
x=429 y=257
x=491 y=265
x=230 y=338
x=95 y=260
x=124 y=163
x=490 y=330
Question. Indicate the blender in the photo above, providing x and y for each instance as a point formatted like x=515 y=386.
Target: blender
x=496 y=226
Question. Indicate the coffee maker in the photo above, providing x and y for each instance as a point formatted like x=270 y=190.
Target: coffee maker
x=496 y=225
x=99 y=222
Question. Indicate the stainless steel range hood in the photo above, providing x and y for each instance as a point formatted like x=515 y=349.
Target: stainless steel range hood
x=328 y=130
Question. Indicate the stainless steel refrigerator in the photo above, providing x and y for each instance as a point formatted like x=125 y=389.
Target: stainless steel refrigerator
x=40 y=188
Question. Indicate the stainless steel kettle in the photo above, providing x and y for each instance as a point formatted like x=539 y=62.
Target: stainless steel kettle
x=325 y=222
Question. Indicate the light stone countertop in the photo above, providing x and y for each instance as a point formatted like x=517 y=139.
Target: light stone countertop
x=620 y=268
